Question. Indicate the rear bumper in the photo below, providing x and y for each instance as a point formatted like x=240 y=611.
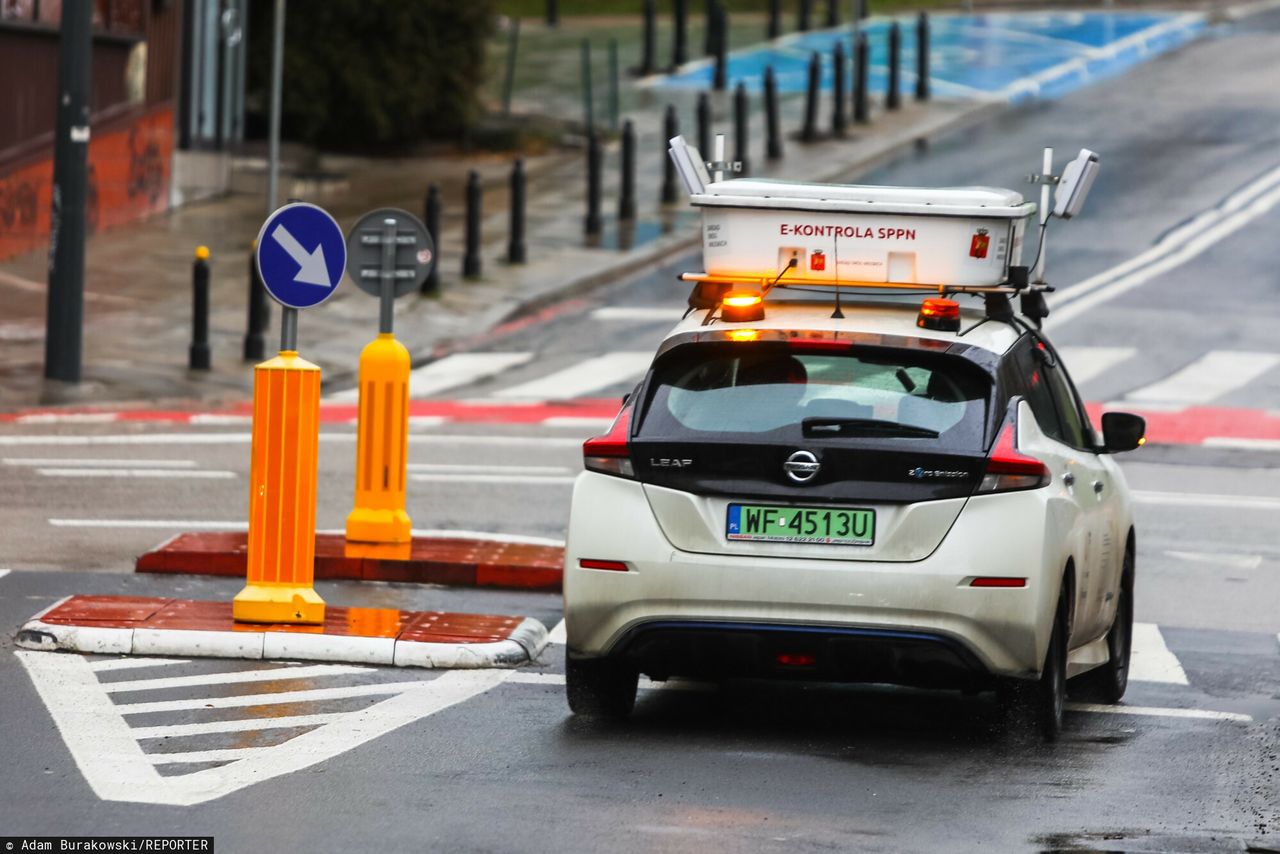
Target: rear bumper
x=903 y=617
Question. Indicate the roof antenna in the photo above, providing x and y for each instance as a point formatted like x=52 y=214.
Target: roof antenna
x=837 y=314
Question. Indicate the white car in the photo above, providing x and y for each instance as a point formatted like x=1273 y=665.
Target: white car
x=906 y=494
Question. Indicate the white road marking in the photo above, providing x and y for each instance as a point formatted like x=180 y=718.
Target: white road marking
x=244 y=439
x=1172 y=250
x=1193 y=499
x=81 y=463
x=461 y=369
x=444 y=468
x=274 y=674
x=113 y=763
x=420 y=422
x=578 y=422
x=1242 y=444
x=1219 y=559
x=1086 y=363
x=1204 y=714
x=1150 y=659
x=587 y=376
x=67 y=418
x=220 y=420
x=1213 y=375
x=512 y=480
x=639 y=313
x=238 y=725
x=4 y=572
x=191 y=524
x=557 y=634
x=202 y=474
x=110 y=664
x=226 y=754
x=271 y=699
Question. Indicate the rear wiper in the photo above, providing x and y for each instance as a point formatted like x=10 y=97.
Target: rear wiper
x=847 y=426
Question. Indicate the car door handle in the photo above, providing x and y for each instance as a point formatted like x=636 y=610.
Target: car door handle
x=1069 y=479
x=1098 y=486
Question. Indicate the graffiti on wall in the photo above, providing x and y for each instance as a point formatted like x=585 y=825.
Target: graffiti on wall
x=129 y=172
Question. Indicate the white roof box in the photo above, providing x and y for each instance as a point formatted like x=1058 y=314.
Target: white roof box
x=844 y=233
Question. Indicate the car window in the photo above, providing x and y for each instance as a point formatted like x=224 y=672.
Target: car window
x=1073 y=424
x=777 y=388
x=1035 y=388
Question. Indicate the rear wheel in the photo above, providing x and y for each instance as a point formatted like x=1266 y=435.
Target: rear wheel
x=1037 y=706
x=600 y=687
x=1107 y=684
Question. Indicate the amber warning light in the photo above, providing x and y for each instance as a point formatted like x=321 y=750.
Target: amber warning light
x=939 y=314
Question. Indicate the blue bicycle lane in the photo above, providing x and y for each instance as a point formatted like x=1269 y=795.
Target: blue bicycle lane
x=1008 y=56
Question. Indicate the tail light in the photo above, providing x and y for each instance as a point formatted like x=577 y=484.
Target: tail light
x=611 y=453
x=1009 y=469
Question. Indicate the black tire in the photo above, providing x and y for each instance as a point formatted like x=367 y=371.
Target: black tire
x=1107 y=684
x=1036 y=706
x=600 y=687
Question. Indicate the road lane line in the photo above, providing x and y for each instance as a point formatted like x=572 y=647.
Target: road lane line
x=1152 y=711
x=239 y=725
x=1241 y=444
x=220 y=420
x=577 y=422
x=226 y=754
x=271 y=699
x=200 y=474
x=511 y=480
x=1151 y=660
x=639 y=313
x=193 y=524
x=1086 y=363
x=461 y=369
x=112 y=664
x=1192 y=499
x=1213 y=375
x=244 y=439
x=275 y=674
x=84 y=462
x=446 y=468
x=584 y=377
x=67 y=418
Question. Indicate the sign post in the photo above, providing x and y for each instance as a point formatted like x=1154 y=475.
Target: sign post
x=391 y=255
x=301 y=256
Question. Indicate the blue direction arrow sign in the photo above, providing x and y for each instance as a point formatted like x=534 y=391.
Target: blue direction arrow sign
x=301 y=255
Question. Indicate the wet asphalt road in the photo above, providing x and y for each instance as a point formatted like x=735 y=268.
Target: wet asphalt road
x=748 y=767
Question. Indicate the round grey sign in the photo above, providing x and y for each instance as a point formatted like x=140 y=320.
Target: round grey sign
x=389 y=244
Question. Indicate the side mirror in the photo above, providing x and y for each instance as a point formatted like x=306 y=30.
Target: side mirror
x=1122 y=431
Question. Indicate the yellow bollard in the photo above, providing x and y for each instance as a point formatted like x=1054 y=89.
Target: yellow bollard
x=282 y=495
x=382 y=445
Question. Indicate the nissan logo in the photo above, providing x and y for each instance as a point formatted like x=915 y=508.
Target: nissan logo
x=802 y=466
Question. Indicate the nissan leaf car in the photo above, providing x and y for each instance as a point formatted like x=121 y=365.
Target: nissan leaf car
x=891 y=493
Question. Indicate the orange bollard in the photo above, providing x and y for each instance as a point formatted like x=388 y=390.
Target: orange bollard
x=382 y=445
x=282 y=495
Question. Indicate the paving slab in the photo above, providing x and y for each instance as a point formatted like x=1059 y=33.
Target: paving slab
x=137 y=625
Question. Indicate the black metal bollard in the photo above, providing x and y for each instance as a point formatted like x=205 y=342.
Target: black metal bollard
x=670 y=129
x=647 y=61
x=627 y=186
x=922 y=57
x=804 y=15
x=721 y=48
x=810 y=132
x=861 y=61
x=680 y=43
x=255 y=337
x=704 y=124
x=773 y=135
x=740 y=127
x=775 y=24
x=893 y=98
x=471 y=260
x=592 y=223
x=839 y=120
x=833 y=13
x=431 y=218
x=199 y=357
x=516 y=253
x=553 y=13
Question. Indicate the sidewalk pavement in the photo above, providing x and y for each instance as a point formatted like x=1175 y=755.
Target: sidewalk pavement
x=138 y=292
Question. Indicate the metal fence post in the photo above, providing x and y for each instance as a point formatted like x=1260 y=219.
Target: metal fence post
x=704 y=123
x=680 y=37
x=810 y=132
x=893 y=98
x=199 y=357
x=647 y=61
x=804 y=15
x=775 y=24
x=861 y=62
x=740 y=128
x=516 y=253
x=627 y=186
x=588 y=107
x=431 y=219
x=773 y=133
x=838 y=116
x=833 y=13
x=721 y=48
x=592 y=223
x=613 y=84
x=922 y=57
x=471 y=267
x=509 y=81
x=670 y=128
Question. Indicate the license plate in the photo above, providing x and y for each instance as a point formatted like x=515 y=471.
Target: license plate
x=836 y=526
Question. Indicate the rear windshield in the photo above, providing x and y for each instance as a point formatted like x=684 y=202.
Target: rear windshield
x=786 y=392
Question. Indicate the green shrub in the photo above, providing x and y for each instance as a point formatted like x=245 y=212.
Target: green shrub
x=372 y=74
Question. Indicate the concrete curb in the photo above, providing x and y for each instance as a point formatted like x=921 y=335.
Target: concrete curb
x=527 y=640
